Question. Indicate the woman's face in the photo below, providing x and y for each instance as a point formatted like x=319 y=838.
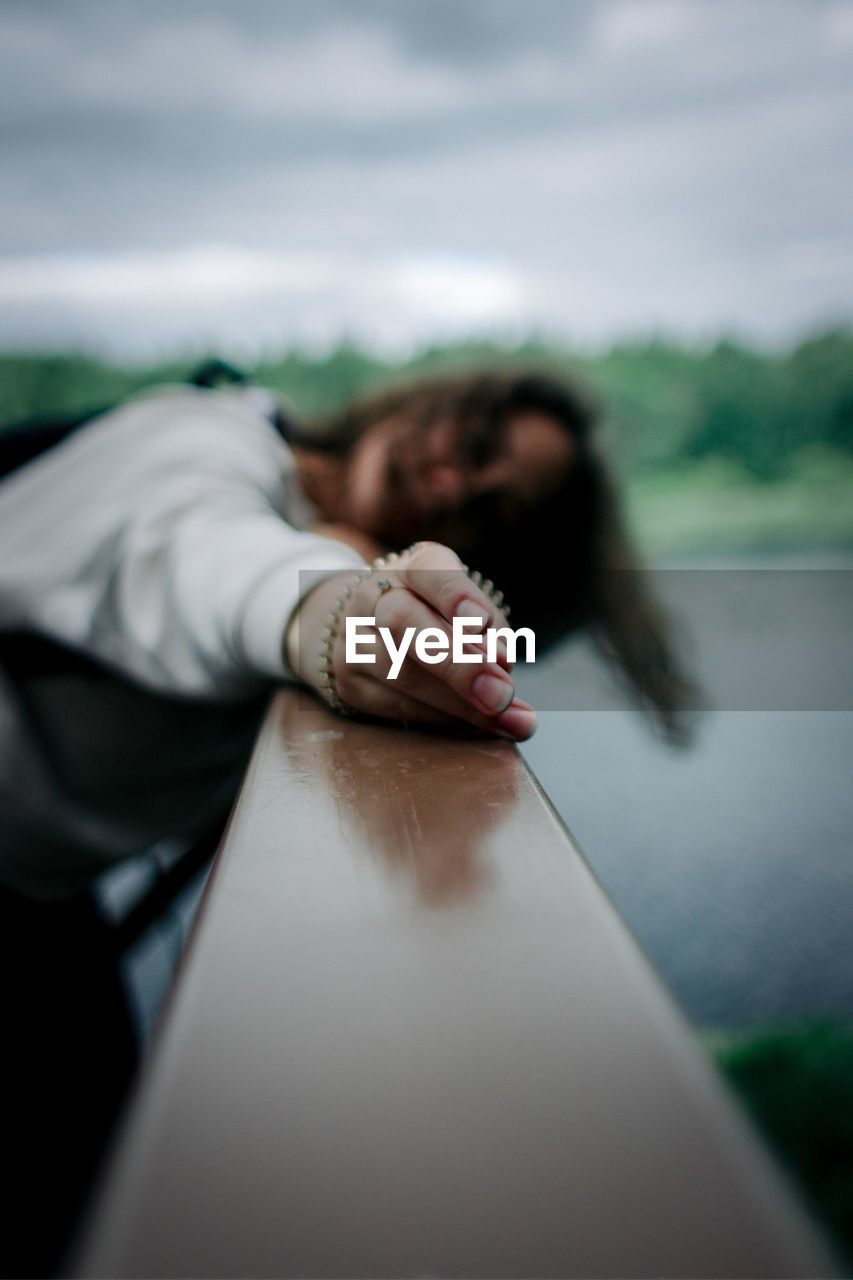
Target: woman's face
x=448 y=482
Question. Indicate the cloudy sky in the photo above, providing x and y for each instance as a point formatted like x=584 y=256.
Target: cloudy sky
x=251 y=174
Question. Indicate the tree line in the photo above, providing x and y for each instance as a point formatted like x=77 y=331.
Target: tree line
x=663 y=405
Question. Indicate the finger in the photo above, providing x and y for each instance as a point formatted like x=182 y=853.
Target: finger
x=429 y=701
x=517 y=721
x=471 y=644
x=474 y=603
x=439 y=577
x=388 y=701
x=403 y=620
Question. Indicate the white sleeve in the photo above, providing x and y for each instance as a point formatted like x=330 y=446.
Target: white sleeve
x=159 y=548
x=201 y=606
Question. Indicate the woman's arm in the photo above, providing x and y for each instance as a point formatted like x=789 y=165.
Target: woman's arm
x=156 y=542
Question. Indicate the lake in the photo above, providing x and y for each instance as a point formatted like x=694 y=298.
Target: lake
x=730 y=861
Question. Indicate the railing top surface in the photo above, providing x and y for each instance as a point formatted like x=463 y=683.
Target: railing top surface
x=412 y=1037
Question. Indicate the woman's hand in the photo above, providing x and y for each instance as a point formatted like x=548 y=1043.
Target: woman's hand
x=425 y=587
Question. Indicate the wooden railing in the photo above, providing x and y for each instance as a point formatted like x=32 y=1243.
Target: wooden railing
x=411 y=1037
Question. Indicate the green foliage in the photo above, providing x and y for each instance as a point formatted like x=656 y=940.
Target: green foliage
x=318 y=386
x=720 y=448
x=761 y=410
x=663 y=405
x=33 y=386
x=796 y=1082
x=651 y=399
x=716 y=504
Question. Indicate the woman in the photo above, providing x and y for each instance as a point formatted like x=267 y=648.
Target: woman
x=167 y=563
x=172 y=550
x=504 y=469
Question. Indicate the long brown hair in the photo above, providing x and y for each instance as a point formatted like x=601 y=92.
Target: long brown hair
x=570 y=565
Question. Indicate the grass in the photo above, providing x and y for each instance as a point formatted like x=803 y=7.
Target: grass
x=796 y=1082
x=716 y=506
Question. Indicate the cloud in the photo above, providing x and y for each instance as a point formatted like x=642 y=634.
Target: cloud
x=244 y=301
x=195 y=274
x=616 y=164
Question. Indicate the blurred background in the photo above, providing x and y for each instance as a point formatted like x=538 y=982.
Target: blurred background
x=653 y=197
x=652 y=194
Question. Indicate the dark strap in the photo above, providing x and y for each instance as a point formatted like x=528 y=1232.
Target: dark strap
x=167 y=887
x=23 y=441
x=216 y=371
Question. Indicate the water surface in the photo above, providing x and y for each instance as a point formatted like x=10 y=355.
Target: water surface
x=731 y=861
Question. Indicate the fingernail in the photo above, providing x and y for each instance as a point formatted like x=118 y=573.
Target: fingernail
x=518 y=721
x=493 y=693
x=470 y=609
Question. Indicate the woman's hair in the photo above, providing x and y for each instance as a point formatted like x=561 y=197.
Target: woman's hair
x=569 y=564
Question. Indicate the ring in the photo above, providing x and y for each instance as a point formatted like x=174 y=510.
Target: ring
x=384 y=585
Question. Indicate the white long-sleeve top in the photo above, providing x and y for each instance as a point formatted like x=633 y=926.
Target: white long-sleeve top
x=165 y=540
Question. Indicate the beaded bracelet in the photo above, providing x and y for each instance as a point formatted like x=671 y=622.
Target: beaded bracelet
x=328 y=688
x=327 y=685
x=488 y=589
